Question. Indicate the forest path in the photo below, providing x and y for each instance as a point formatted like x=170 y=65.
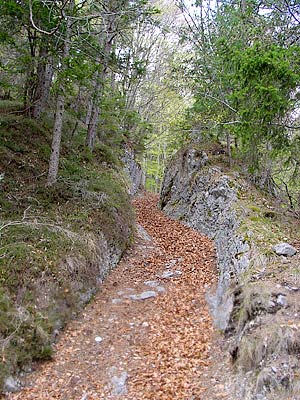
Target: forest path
x=148 y=333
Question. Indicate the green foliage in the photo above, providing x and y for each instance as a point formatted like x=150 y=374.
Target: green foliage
x=263 y=79
x=245 y=78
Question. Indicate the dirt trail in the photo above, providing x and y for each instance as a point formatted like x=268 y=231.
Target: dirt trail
x=148 y=334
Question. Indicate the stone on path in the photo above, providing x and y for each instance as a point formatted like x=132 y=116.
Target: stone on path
x=282 y=301
x=151 y=283
x=170 y=274
x=143 y=296
x=171 y=264
x=123 y=292
x=156 y=285
x=143 y=233
x=118 y=382
x=116 y=301
x=11 y=385
x=284 y=249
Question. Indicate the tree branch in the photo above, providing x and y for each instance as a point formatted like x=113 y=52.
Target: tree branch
x=42 y=30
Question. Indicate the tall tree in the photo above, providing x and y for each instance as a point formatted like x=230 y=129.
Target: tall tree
x=60 y=102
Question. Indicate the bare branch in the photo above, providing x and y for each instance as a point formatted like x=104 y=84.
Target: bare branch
x=42 y=30
x=219 y=101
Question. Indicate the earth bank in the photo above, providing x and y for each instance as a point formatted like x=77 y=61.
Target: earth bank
x=58 y=243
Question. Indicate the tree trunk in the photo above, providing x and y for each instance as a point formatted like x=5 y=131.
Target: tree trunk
x=243 y=6
x=92 y=127
x=145 y=167
x=60 y=108
x=55 y=150
x=77 y=102
x=29 y=90
x=105 y=41
x=89 y=110
x=30 y=80
x=228 y=140
x=43 y=85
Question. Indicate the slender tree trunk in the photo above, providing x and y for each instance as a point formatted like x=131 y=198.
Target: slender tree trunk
x=106 y=41
x=44 y=82
x=157 y=169
x=60 y=108
x=55 y=152
x=145 y=169
x=29 y=90
x=77 y=102
x=94 y=112
x=30 y=81
x=228 y=140
x=92 y=127
x=243 y=6
x=89 y=110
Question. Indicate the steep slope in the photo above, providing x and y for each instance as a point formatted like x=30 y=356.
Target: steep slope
x=256 y=300
x=58 y=243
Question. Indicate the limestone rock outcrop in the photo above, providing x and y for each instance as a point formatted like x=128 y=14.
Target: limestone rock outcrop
x=258 y=262
x=204 y=198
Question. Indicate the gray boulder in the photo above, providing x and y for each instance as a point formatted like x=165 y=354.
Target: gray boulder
x=11 y=385
x=284 y=249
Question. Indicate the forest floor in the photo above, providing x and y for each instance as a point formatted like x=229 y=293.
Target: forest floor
x=148 y=333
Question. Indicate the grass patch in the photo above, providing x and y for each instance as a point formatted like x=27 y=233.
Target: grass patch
x=269 y=340
x=261 y=223
x=254 y=299
x=10 y=106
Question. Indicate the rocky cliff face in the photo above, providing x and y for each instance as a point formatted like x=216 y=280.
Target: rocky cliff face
x=254 y=303
x=204 y=198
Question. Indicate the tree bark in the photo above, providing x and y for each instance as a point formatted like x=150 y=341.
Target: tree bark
x=106 y=41
x=228 y=140
x=56 y=140
x=30 y=76
x=60 y=108
x=92 y=127
x=43 y=85
x=89 y=110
